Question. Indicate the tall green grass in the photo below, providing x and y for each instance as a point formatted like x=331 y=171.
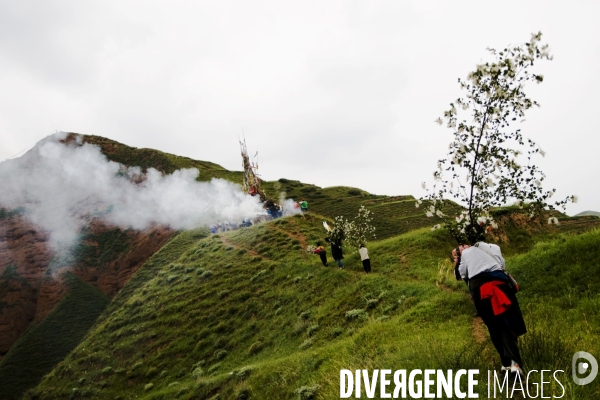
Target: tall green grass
x=248 y=314
x=42 y=346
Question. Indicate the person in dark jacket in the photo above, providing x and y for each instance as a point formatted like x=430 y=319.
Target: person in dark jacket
x=337 y=254
x=482 y=267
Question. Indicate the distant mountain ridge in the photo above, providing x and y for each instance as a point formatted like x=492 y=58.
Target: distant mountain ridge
x=596 y=213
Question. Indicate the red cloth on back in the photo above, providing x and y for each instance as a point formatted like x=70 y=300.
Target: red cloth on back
x=500 y=302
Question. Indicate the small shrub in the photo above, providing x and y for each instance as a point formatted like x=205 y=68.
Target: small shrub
x=183 y=391
x=243 y=393
x=358 y=314
x=220 y=354
x=243 y=372
x=152 y=371
x=173 y=384
x=372 y=303
x=255 y=347
x=337 y=331
x=148 y=386
x=199 y=271
x=137 y=365
x=304 y=315
x=198 y=371
x=306 y=344
x=312 y=329
x=297 y=279
x=206 y=274
x=214 y=367
x=172 y=278
x=164 y=373
x=258 y=275
x=307 y=392
x=223 y=293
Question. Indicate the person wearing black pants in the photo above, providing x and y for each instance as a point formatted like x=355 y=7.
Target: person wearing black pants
x=482 y=267
x=320 y=250
x=364 y=256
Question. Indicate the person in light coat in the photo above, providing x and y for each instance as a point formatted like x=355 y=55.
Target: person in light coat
x=482 y=267
x=364 y=256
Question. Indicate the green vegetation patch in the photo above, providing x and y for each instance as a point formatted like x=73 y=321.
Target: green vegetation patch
x=51 y=340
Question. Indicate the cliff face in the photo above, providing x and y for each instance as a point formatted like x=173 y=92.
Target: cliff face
x=31 y=282
x=24 y=256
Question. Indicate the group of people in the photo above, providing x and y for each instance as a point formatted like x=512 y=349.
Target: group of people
x=338 y=256
x=492 y=290
x=483 y=269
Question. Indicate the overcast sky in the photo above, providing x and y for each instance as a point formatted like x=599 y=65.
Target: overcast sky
x=328 y=92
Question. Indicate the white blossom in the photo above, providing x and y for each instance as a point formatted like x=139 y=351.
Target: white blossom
x=429 y=214
x=574 y=199
x=423 y=185
x=439 y=121
x=552 y=220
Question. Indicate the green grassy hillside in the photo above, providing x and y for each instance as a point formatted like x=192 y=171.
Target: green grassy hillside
x=248 y=314
x=42 y=346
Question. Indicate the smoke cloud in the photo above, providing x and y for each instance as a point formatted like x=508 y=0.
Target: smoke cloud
x=62 y=187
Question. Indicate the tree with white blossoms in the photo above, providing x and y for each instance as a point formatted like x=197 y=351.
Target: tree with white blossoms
x=489 y=162
x=356 y=232
x=360 y=230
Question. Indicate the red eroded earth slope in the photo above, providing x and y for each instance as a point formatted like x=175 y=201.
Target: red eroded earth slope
x=31 y=283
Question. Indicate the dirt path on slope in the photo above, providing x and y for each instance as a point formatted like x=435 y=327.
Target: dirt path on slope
x=226 y=242
x=297 y=236
x=478 y=330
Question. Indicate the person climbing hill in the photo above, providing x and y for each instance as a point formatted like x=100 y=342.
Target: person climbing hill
x=337 y=254
x=320 y=250
x=364 y=256
x=494 y=294
x=303 y=205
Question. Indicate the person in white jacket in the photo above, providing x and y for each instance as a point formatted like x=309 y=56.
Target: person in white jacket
x=364 y=256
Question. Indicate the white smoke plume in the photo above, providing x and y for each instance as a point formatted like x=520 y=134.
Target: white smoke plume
x=63 y=186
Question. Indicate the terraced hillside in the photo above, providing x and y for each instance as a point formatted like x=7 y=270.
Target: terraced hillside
x=248 y=314
x=170 y=332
